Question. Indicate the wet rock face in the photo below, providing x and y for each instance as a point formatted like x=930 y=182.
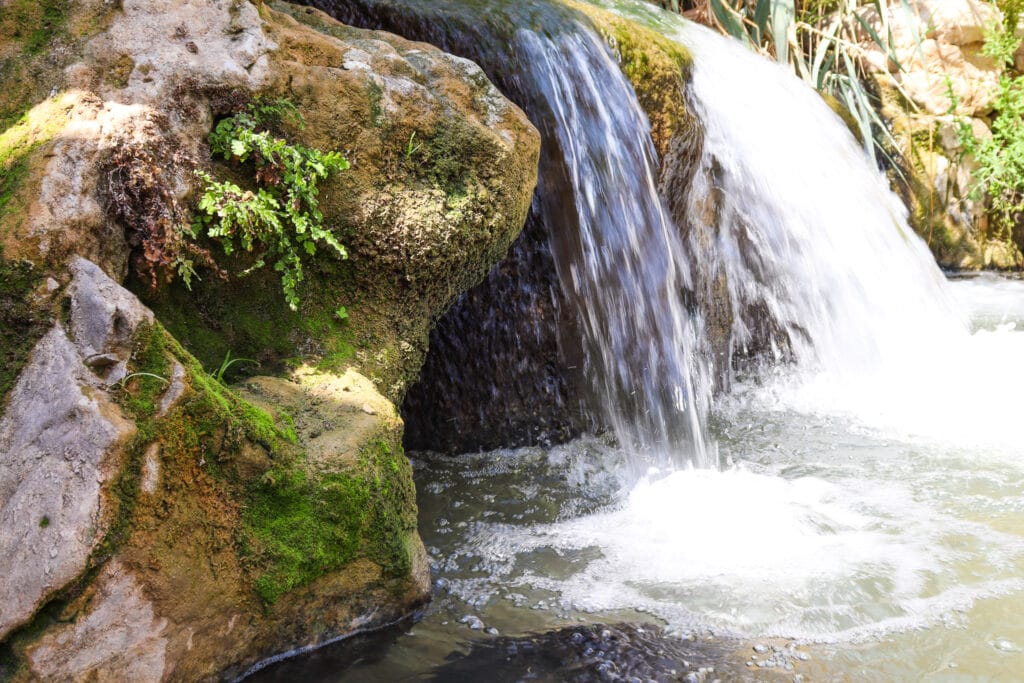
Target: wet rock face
x=496 y=374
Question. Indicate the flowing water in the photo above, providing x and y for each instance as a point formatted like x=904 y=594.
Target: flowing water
x=868 y=506
x=625 y=268
x=882 y=555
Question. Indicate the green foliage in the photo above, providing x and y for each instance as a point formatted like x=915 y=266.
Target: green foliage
x=411 y=148
x=1001 y=41
x=1000 y=174
x=1000 y=158
x=281 y=218
x=21 y=323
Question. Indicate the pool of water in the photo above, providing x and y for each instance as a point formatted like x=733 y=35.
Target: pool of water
x=874 y=528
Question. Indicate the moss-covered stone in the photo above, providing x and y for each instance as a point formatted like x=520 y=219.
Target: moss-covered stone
x=233 y=529
x=23 y=148
x=440 y=183
x=245 y=517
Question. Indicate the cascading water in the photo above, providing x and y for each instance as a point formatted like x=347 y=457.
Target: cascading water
x=625 y=268
x=809 y=237
x=817 y=242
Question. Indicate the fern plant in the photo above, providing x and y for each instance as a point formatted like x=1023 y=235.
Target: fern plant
x=281 y=218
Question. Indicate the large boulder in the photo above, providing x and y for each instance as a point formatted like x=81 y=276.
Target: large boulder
x=158 y=525
x=61 y=442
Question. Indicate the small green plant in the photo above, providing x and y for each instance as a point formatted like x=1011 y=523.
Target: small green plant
x=44 y=522
x=281 y=218
x=1000 y=158
x=227 y=363
x=123 y=384
x=341 y=314
x=411 y=149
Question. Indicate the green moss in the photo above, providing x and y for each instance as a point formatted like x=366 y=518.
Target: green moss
x=28 y=27
x=442 y=160
x=250 y=318
x=26 y=139
x=376 y=96
x=11 y=182
x=38 y=22
x=295 y=525
x=300 y=526
x=21 y=323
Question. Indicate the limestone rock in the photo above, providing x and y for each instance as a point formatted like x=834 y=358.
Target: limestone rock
x=956 y=22
x=60 y=441
x=948 y=58
x=939 y=67
x=443 y=172
x=120 y=638
x=335 y=416
x=104 y=316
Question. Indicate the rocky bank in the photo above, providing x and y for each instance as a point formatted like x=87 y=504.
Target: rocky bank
x=157 y=524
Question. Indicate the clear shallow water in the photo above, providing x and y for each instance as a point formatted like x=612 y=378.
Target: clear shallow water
x=887 y=553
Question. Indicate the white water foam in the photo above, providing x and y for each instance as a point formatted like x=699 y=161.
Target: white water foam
x=757 y=554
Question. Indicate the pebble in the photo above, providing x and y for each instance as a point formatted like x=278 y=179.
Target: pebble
x=492 y=631
x=473 y=622
x=760 y=648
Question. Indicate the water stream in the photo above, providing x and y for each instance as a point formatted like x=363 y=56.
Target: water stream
x=857 y=489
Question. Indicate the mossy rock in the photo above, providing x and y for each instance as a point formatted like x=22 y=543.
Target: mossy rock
x=230 y=532
x=442 y=174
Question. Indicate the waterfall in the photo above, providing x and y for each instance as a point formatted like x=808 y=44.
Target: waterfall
x=808 y=231
x=625 y=268
x=821 y=265
x=621 y=267
x=785 y=226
